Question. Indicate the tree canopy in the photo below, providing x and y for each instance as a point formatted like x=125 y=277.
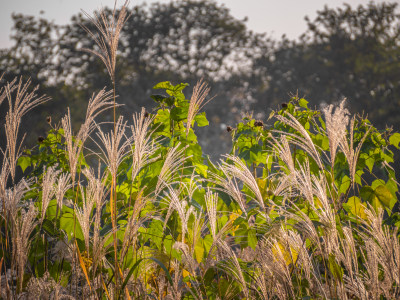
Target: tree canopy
x=345 y=52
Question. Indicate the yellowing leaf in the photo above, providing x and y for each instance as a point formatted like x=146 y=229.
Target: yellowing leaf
x=185 y=273
x=379 y=197
x=356 y=207
x=279 y=251
x=262 y=185
x=199 y=252
x=81 y=262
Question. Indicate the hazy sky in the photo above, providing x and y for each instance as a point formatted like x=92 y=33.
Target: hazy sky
x=275 y=17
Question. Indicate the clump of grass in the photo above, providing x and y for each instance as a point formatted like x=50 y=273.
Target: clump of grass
x=290 y=212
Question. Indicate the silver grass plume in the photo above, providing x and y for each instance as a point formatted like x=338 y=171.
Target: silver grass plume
x=12 y=198
x=144 y=146
x=84 y=216
x=282 y=150
x=4 y=175
x=48 y=189
x=22 y=229
x=181 y=206
x=174 y=160
x=188 y=260
x=107 y=40
x=115 y=147
x=198 y=228
x=211 y=200
x=336 y=121
x=386 y=244
x=349 y=151
x=97 y=104
x=273 y=261
x=240 y=171
x=23 y=102
x=46 y=287
x=200 y=92
x=192 y=185
x=304 y=140
x=62 y=187
x=93 y=196
x=96 y=193
x=135 y=221
x=232 y=265
x=229 y=185
x=3 y=95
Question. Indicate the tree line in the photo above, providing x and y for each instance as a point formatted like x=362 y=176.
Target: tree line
x=351 y=52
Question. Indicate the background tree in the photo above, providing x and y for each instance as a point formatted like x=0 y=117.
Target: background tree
x=346 y=52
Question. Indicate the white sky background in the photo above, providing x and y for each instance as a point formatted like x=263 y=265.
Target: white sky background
x=275 y=17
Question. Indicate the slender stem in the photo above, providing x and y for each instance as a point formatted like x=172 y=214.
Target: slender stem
x=114 y=207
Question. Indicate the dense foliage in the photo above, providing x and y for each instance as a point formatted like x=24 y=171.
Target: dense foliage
x=300 y=207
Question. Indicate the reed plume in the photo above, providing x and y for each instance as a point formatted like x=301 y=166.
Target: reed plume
x=74 y=144
x=107 y=38
x=336 y=120
x=48 y=189
x=174 y=161
x=144 y=146
x=199 y=95
x=22 y=229
x=303 y=140
x=18 y=105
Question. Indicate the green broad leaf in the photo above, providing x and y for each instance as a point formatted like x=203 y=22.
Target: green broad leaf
x=69 y=225
x=201 y=169
x=155 y=232
x=209 y=276
x=377 y=182
x=358 y=176
x=179 y=113
x=199 y=251
x=163 y=99
x=303 y=103
x=24 y=162
x=52 y=210
x=384 y=195
x=163 y=85
x=395 y=139
x=179 y=87
x=168 y=241
x=356 y=207
x=201 y=119
x=322 y=141
x=49 y=227
x=158 y=98
x=345 y=184
x=369 y=160
x=379 y=197
x=262 y=185
x=194 y=150
x=252 y=238
x=207 y=242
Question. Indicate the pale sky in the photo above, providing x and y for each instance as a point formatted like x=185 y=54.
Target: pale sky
x=275 y=17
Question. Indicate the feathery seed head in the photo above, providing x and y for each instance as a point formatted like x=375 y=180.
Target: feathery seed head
x=109 y=29
x=200 y=92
